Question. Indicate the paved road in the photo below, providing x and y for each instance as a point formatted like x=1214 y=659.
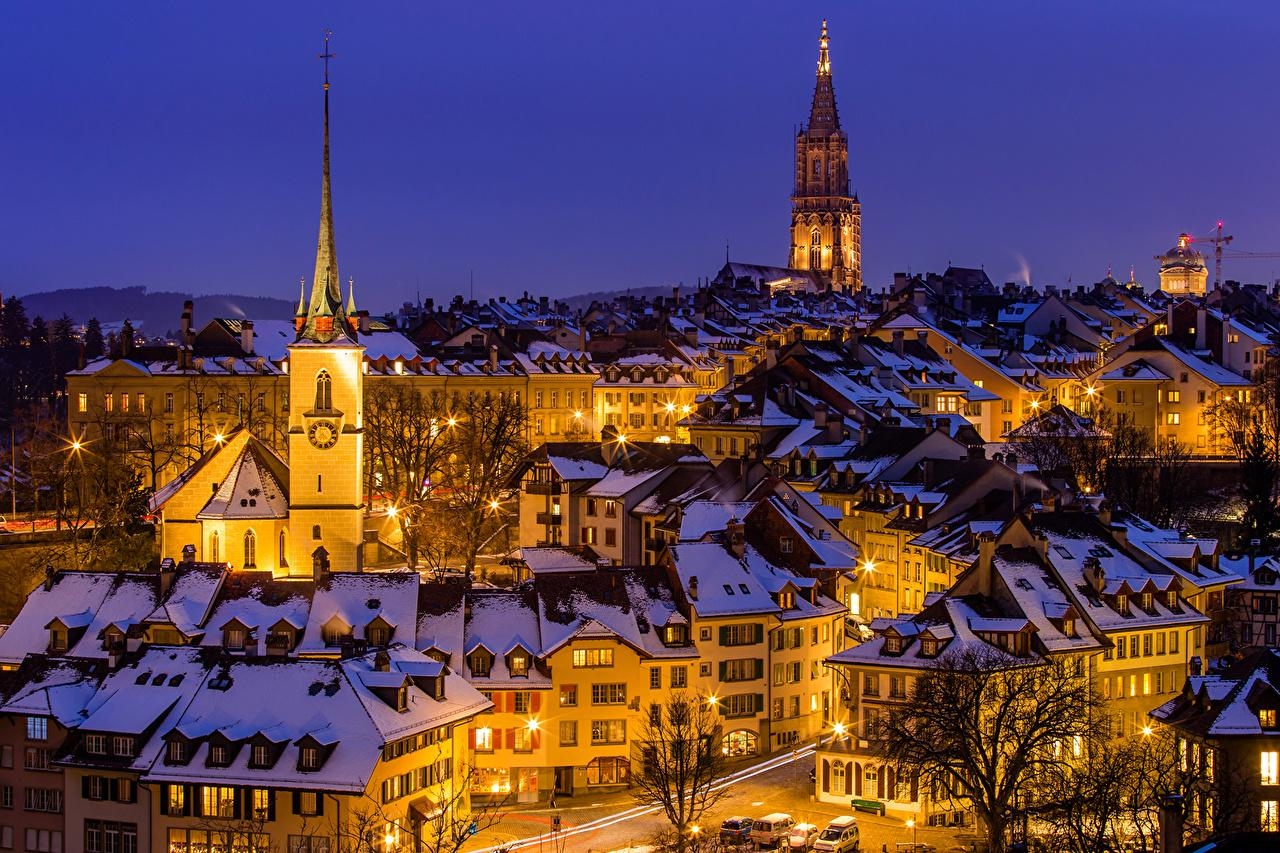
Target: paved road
x=778 y=784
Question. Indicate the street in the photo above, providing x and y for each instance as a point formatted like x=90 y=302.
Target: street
x=778 y=783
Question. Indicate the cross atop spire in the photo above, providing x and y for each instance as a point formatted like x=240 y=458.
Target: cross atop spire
x=325 y=320
x=822 y=115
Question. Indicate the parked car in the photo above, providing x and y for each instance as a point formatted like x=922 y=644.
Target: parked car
x=840 y=836
x=736 y=830
x=802 y=837
x=771 y=830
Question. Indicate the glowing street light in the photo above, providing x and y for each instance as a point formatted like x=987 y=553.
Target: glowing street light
x=868 y=566
x=219 y=437
x=494 y=504
x=392 y=511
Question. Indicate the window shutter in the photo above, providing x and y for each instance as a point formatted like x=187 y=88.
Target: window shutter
x=759 y=633
x=511 y=738
x=759 y=668
x=237 y=803
x=471 y=739
x=723 y=667
x=319 y=803
x=759 y=702
x=192 y=805
x=535 y=701
x=113 y=790
x=537 y=739
x=271 y=805
x=724 y=635
x=297 y=802
x=84 y=787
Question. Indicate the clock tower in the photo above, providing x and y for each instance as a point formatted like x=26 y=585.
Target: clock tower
x=326 y=417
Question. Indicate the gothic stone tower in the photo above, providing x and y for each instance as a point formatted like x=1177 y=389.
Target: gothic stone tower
x=326 y=418
x=826 y=219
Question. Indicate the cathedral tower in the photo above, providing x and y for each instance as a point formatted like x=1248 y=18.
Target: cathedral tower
x=326 y=418
x=826 y=219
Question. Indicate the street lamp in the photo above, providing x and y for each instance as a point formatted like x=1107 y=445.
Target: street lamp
x=911 y=825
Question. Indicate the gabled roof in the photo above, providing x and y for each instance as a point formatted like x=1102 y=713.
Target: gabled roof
x=255 y=487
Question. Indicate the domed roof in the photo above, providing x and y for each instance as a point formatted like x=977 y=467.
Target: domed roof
x=1182 y=255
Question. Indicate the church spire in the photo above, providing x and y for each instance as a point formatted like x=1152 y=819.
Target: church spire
x=325 y=318
x=822 y=115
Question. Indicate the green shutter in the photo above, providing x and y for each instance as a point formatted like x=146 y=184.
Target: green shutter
x=759 y=631
x=723 y=667
x=319 y=803
x=759 y=703
x=297 y=802
x=759 y=667
x=724 y=635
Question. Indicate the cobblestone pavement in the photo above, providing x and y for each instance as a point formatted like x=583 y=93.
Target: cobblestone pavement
x=619 y=824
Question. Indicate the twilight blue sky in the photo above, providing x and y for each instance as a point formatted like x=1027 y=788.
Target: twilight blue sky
x=561 y=148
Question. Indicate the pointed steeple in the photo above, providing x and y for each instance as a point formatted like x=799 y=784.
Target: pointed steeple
x=351 y=297
x=822 y=115
x=301 y=313
x=325 y=319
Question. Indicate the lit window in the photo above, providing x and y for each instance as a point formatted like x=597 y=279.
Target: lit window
x=1270 y=768
x=484 y=739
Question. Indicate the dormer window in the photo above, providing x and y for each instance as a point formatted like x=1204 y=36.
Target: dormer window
x=1267 y=718
x=518 y=664
x=675 y=635
x=261 y=756
x=1068 y=627
x=95 y=744
x=233 y=637
x=1148 y=601
x=335 y=631
x=785 y=544
x=402 y=699
x=480 y=662
x=378 y=634
x=176 y=752
x=57 y=639
x=309 y=758
x=280 y=639
x=892 y=644
x=219 y=755
x=787 y=600
x=1122 y=604
x=122 y=745
x=929 y=647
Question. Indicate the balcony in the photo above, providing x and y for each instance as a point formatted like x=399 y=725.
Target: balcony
x=549 y=518
x=539 y=487
x=655 y=544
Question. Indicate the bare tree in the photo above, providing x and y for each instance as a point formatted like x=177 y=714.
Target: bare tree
x=683 y=762
x=980 y=726
x=488 y=446
x=451 y=822
x=408 y=435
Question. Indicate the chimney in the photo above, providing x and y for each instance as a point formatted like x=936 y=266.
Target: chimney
x=168 y=571
x=693 y=587
x=1011 y=459
x=1202 y=320
x=382 y=661
x=246 y=336
x=986 y=560
x=48 y=578
x=320 y=564
x=188 y=554
x=736 y=533
x=188 y=317
x=899 y=341
x=835 y=428
x=820 y=415
x=923 y=336
x=1104 y=514
x=1094 y=575
x=1168 y=318
x=493 y=358
x=977 y=452
x=1170 y=832
x=365 y=321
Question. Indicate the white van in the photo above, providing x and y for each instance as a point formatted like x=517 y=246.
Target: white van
x=770 y=830
x=840 y=836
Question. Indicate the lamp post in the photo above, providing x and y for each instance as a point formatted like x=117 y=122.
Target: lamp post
x=911 y=825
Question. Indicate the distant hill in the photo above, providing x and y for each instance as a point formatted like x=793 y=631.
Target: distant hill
x=584 y=300
x=154 y=313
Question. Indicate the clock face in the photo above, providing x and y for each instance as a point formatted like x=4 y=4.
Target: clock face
x=323 y=434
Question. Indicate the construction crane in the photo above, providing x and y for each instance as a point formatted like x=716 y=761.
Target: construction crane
x=1219 y=240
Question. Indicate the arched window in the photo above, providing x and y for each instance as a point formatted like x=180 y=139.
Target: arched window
x=817 y=168
x=284 y=537
x=741 y=742
x=213 y=547
x=324 y=392
x=250 y=550
x=837 y=777
x=815 y=249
